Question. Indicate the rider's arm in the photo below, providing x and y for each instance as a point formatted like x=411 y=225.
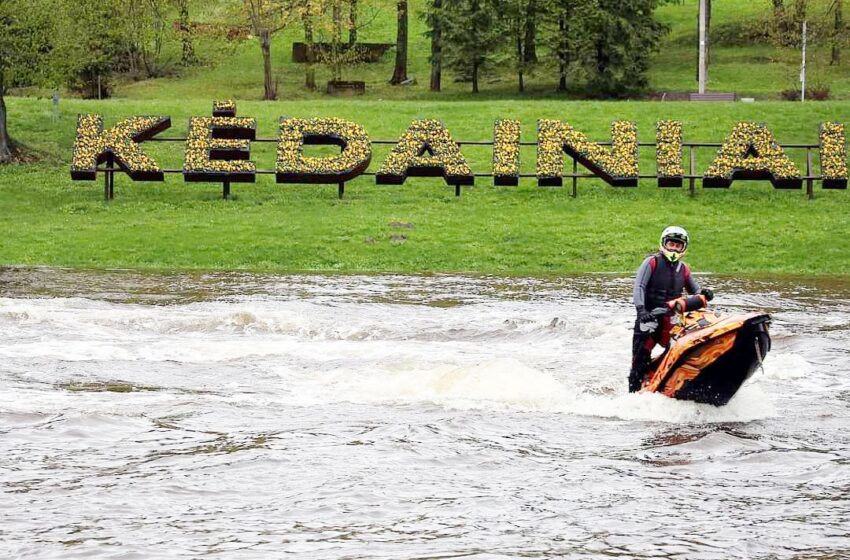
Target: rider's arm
x=642 y=277
x=691 y=285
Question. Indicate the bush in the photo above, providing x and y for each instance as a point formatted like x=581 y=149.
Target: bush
x=790 y=95
x=818 y=92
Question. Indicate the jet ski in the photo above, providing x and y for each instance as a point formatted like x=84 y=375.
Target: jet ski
x=709 y=356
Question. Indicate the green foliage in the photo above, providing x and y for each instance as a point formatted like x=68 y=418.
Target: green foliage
x=606 y=42
x=232 y=67
x=604 y=45
x=88 y=41
x=620 y=37
x=473 y=31
x=145 y=28
x=24 y=31
x=520 y=21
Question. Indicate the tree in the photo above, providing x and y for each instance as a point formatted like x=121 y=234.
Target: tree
x=623 y=35
x=563 y=49
x=188 y=56
x=519 y=18
x=838 y=31
x=562 y=34
x=327 y=23
x=472 y=34
x=787 y=22
x=532 y=10
x=400 y=70
x=266 y=18
x=88 y=42
x=23 y=48
x=433 y=18
x=12 y=46
x=604 y=43
x=352 y=22
x=144 y=35
x=310 y=71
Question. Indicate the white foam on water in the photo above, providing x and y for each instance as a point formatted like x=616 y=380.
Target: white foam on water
x=749 y=404
x=497 y=383
x=784 y=366
x=509 y=384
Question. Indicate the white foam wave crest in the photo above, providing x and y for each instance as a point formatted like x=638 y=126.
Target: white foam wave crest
x=509 y=384
x=309 y=319
x=80 y=329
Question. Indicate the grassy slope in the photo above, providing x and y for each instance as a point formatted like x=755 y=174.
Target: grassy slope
x=759 y=70
x=47 y=219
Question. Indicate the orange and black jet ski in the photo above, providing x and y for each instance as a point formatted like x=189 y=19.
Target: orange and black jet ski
x=709 y=356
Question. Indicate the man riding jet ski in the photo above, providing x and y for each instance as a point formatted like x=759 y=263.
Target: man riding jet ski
x=707 y=358
x=662 y=277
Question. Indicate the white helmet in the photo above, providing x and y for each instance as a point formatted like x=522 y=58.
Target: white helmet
x=674 y=233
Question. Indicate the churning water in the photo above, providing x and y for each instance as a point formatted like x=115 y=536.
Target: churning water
x=245 y=416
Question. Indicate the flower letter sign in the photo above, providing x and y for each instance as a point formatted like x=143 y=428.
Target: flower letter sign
x=218 y=149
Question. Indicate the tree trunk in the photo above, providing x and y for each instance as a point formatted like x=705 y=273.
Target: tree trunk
x=5 y=141
x=336 y=44
x=188 y=57
x=310 y=71
x=475 y=77
x=400 y=71
x=531 y=33
x=270 y=92
x=520 y=57
x=837 y=32
x=437 y=48
x=352 y=23
x=562 y=53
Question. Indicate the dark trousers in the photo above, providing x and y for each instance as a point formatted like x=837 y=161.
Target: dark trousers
x=642 y=344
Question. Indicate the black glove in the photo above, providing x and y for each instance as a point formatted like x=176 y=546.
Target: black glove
x=646 y=323
x=644 y=316
x=708 y=293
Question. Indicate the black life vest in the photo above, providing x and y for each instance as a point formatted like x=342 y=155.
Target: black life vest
x=667 y=281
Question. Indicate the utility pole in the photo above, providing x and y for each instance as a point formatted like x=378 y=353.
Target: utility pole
x=703 y=62
x=803 y=67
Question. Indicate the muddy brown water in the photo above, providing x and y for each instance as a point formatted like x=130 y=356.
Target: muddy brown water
x=236 y=415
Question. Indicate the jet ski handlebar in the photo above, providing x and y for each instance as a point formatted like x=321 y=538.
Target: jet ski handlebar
x=681 y=305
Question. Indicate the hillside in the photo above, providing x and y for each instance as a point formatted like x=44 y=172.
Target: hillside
x=758 y=69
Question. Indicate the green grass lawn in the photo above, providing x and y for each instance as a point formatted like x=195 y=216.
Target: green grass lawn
x=46 y=219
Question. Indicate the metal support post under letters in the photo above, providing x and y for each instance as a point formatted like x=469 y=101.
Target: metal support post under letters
x=692 y=182
x=109 y=179
x=810 y=183
x=575 y=178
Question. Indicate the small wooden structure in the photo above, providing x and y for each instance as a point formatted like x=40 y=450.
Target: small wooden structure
x=713 y=97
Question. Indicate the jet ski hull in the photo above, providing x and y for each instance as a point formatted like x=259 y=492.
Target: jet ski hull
x=709 y=357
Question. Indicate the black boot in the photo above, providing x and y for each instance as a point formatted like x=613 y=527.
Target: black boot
x=640 y=359
x=636 y=378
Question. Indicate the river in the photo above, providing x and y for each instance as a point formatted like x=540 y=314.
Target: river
x=236 y=415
